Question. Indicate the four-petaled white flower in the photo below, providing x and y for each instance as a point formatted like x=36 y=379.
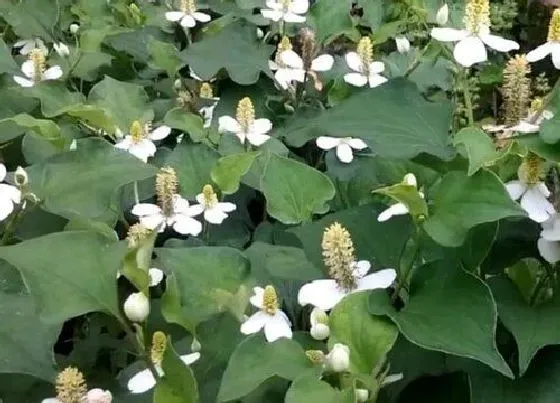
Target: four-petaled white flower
x=9 y=195
x=366 y=71
x=471 y=40
x=344 y=146
x=285 y=10
x=27 y=45
x=399 y=208
x=181 y=218
x=275 y=322
x=35 y=71
x=187 y=15
x=139 y=141
x=144 y=380
x=533 y=199
x=552 y=45
x=215 y=212
x=326 y=293
x=62 y=49
x=245 y=126
x=294 y=69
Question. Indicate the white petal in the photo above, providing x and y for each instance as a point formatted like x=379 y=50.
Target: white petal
x=539 y=53
x=28 y=69
x=186 y=225
x=376 y=80
x=188 y=21
x=188 y=359
x=448 y=34
x=551 y=232
x=257 y=139
x=153 y=222
x=376 y=67
x=144 y=209
x=273 y=15
x=393 y=377
x=215 y=215
x=202 y=17
x=261 y=126
x=125 y=143
x=292 y=59
x=24 y=82
x=380 y=279
x=541 y=187
x=323 y=294
x=322 y=63
x=228 y=124
x=144 y=149
x=194 y=210
x=227 y=207
x=515 y=189
x=180 y=205
x=556 y=55
x=160 y=133
x=326 y=143
x=361 y=268
x=254 y=323
x=156 y=275
x=174 y=16
x=498 y=43
x=410 y=180
x=272 y=65
x=344 y=153
x=356 y=79
x=6 y=207
x=299 y=6
x=52 y=73
x=141 y=382
x=536 y=205
x=51 y=400
x=395 y=209
x=469 y=51
x=291 y=17
x=525 y=127
x=257 y=299
x=549 y=250
x=277 y=326
x=3 y=172
x=354 y=61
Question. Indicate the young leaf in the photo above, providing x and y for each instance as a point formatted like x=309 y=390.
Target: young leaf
x=229 y=170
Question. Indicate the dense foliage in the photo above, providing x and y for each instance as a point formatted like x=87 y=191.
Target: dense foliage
x=294 y=201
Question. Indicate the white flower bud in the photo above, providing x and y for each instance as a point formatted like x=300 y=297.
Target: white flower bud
x=73 y=145
x=260 y=33
x=338 y=360
x=98 y=396
x=320 y=331
x=177 y=84
x=410 y=180
x=137 y=307
x=442 y=15
x=403 y=45
x=61 y=49
x=74 y=28
x=319 y=324
x=195 y=346
x=20 y=177
x=362 y=395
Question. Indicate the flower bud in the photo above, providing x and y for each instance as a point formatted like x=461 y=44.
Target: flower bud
x=362 y=395
x=442 y=15
x=99 y=396
x=20 y=177
x=195 y=346
x=319 y=324
x=320 y=331
x=403 y=45
x=177 y=84
x=260 y=33
x=137 y=307
x=74 y=28
x=338 y=360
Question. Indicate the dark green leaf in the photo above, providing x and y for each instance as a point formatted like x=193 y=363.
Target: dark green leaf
x=178 y=385
x=229 y=170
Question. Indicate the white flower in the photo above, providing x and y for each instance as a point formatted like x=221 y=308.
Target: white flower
x=215 y=212
x=140 y=141
x=61 y=49
x=552 y=45
x=442 y=15
x=180 y=218
x=286 y=10
x=144 y=380
x=285 y=74
x=366 y=71
x=291 y=67
x=470 y=47
x=320 y=329
x=188 y=14
x=9 y=195
x=403 y=45
x=245 y=126
x=35 y=71
x=344 y=146
x=275 y=322
x=137 y=307
x=155 y=275
x=533 y=199
x=338 y=359
x=27 y=45
x=399 y=208
x=325 y=294
x=74 y=28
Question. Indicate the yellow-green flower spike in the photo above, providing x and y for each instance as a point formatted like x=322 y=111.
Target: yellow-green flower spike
x=245 y=113
x=530 y=169
x=70 y=386
x=270 y=300
x=477 y=15
x=137 y=131
x=159 y=343
x=206 y=91
x=188 y=6
x=37 y=57
x=338 y=255
x=166 y=188
x=210 y=197
x=315 y=356
x=136 y=234
x=554 y=27
x=516 y=89
x=365 y=51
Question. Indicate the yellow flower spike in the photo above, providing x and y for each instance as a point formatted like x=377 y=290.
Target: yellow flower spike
x=477 y=15
x=284 y=44
x=210 y=197
x=554 y=27
x=315 y=356
x=188 y=6
x=516 y=89
x=270 y=300
x=206 y=91
x=159 y=343
x=338 y=255
x=530 y=170
x=136 y=234
x=137 y=131
x=166 y=188
x=37 y=57
x=70 y=386
x=245 y=115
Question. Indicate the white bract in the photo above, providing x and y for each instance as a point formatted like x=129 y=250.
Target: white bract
x=326 y=293
x=533 y=199
x=137 y=307
x=245 y=126
x=549 y=241
x=10 y=195
x=62 y=49
x=552 y=45
x=140 y=140
x=403 y=45
x=471 y=40
x=187 y=15
x=35 y=71
x=344 y=146
x=180 y=218
x=399 y=208
x=214 y=211
x=285 y=10
x=144 y=380
x=275 y=322
x=93 y=396
x=366 y=71
x=442 y=15
x=27 y=45
x=338 y=359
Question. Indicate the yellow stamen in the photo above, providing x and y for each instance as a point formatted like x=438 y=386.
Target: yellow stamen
x=70 y=386
x=365 y=51
x=529 y=171
x=245 y=113
x=283 y=46
x=206 y=91
x=338 y=255
x=554 y=27
x=166 y=189
x=516 y=89
x=159 y=342
x=315 y=356
x=38 y=58
x=270 y=300
x=210 y=197
x=136 y=234
x=536 y=105
x=188 y=6
x=137 y=132
x=286 y=4
x=477 y=15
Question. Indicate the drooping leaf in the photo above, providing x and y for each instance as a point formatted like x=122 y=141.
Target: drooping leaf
x=255 y=360
x=460 y=202
x=430 y=319
x=289 y=201
x=478 y=147
x=229 y=170
x=187 y=122
x=164 y=56
x=407 y=195
x=69 y=273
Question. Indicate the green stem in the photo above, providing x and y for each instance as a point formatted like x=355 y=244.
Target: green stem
x=205 y=231
x=468 y=97
x=281 y=28
x=405 y=273
x=136 y=197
